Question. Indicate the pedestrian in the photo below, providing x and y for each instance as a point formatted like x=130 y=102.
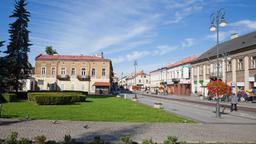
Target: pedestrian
x=234 y=101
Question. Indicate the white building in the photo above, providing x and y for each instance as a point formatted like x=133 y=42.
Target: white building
x=157 y=79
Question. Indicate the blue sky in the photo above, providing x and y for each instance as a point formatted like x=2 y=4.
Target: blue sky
x=153 y=32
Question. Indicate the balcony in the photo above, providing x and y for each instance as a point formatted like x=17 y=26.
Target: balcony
x=63 y=77
x=83 y=78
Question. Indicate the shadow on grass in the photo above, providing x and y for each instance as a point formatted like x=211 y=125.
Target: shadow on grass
x=100 y=96
x=9 y=122
x=110 y=136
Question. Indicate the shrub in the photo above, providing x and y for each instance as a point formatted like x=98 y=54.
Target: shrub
x=40 y=139
x=8 y=97
x=56 y=98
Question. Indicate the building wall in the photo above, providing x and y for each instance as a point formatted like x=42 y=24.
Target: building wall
x=73 y=83
x=236 y=77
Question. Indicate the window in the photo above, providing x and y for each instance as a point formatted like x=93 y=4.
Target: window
x=240 y=64
x=62 y=87
x=73 y=71
x=201 y=70
x=83 y=72
x=229 y=66
x=139 y=80
x=53 y=71
x=146 y=81
x=63 y=71
x=195 y=71
x=103 y=72
x=207 y=69
x=253 y=62
x=43 y=70
x=93 y=72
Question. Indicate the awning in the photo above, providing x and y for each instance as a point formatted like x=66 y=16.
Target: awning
x=104 y=84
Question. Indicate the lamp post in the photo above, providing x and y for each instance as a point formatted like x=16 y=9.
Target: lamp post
x=135 y=65
x=217 y=21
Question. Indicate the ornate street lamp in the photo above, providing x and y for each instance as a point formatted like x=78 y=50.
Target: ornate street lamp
x=217 y=20
x=135 y=65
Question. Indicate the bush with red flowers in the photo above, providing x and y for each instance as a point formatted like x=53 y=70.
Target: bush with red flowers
x=218 y=88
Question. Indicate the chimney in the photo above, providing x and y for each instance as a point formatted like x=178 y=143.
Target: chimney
x=234 y=35
x=101 y=54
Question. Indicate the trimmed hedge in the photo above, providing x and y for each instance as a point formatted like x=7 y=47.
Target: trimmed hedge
x=8 y=97
x=56 y=98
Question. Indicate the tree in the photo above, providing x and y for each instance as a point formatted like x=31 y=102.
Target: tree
x=3 y=72
x=50 y=51
x=19 y=67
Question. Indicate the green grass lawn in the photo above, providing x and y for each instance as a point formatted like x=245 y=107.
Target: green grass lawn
x=95 y=109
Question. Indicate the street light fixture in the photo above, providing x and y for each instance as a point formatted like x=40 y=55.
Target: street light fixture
x=135 y=65
x=217 y=20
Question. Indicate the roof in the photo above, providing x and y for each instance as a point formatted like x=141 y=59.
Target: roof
x=231 y=46
x=68 y=57
x=162 y=68
x=106 y=84
x=182 y=62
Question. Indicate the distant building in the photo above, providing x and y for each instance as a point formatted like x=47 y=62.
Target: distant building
x=179 y=77
x=138 y=81
x=158 y=80
x=92 y=74
x=237 y=65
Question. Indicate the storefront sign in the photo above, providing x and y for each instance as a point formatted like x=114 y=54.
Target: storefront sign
x=241 y=84
x=185 y=81
x=254 y=84
x=251 y=79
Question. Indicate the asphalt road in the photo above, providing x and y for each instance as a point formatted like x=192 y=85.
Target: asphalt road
x=200 y=113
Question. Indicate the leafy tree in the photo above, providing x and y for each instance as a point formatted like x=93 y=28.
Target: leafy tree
x=19 y=67
x=50 y=51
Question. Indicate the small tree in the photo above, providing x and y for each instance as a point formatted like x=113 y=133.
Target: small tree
x=218 y=89
x=17 y=51
x=50 y=51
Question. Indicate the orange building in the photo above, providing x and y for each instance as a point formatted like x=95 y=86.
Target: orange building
x=80 y=73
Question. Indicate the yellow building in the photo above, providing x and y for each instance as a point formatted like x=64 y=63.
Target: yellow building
x=79 y=73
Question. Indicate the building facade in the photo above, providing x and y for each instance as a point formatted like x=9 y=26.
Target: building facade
x=138 y=81
x=179 y=77
x=158 y=80
x=92 y=74
x=237 y=65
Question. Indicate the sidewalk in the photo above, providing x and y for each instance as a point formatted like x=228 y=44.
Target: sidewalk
x=195 y=99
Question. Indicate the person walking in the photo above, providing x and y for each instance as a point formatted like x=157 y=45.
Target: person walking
x=234 y=101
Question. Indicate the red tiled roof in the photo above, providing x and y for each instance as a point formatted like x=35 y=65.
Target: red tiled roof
x=67 y=57
x=183 y=61
x=101 y=84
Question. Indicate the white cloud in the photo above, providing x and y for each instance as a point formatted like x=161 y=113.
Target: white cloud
x=164 y=49
x=188 y=42
x=248 y=24
x=131 y=56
